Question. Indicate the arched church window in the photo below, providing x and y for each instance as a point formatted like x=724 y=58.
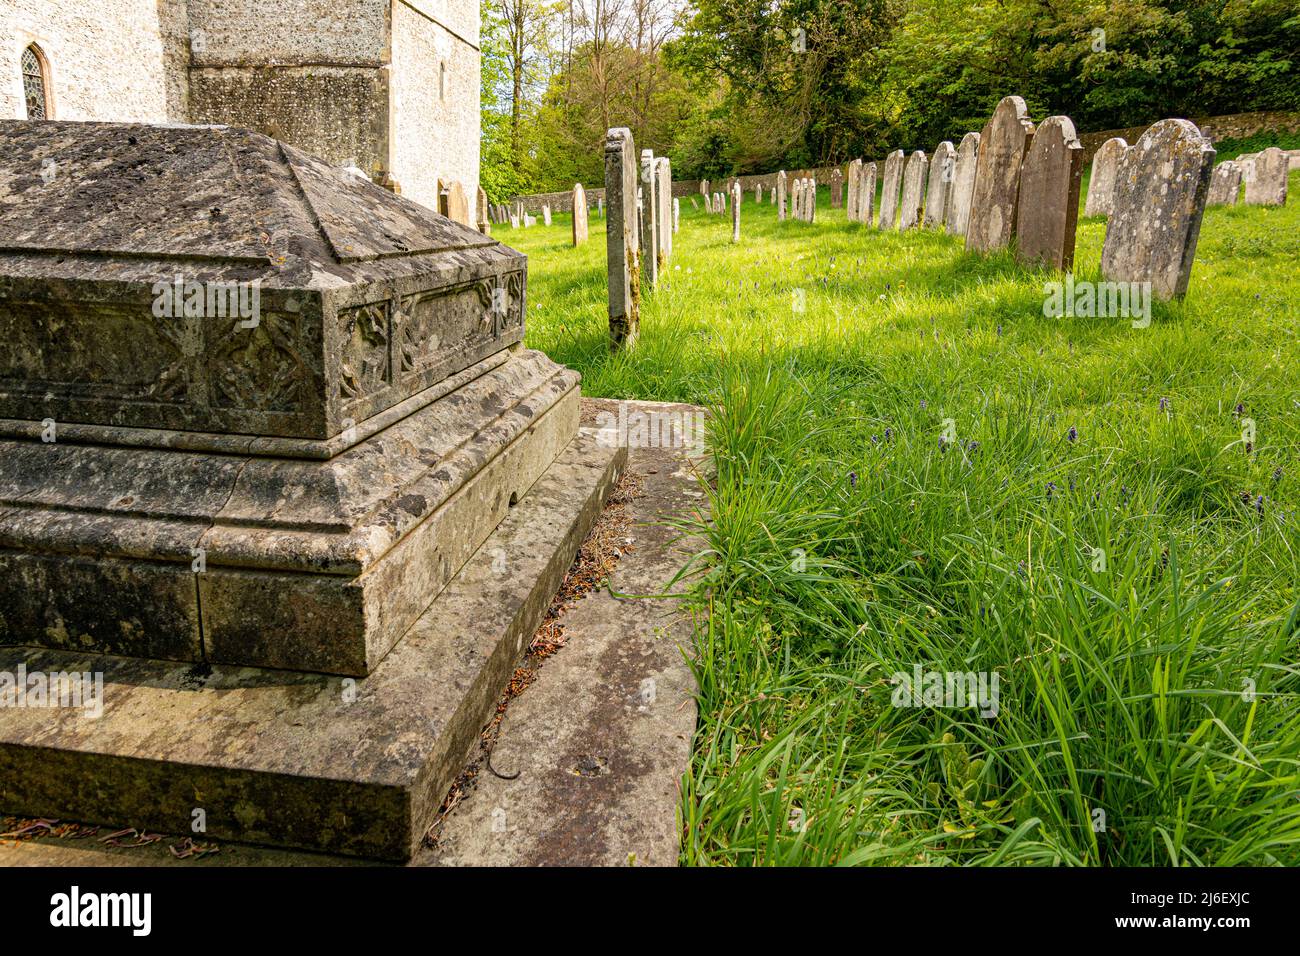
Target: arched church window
x=35 y=83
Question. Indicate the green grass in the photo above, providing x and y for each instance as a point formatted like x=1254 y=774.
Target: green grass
x=847 y=545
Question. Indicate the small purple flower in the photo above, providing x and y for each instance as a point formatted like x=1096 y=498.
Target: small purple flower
x=1164 y=404
x=1259 y=505
x=999 y=330
x=1277 y=474
x=943 y=445
x=923 y=404
x=875 y=439
x=889 y=434
x=1239 y=410
x=1072 y=435
x=972 y=446
x=1051 y=488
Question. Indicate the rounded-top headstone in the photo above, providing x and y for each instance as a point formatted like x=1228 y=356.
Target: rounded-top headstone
x=1002 y=147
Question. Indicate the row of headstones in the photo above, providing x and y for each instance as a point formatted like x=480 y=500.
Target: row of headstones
x=643 y=215
x=1264 y=173
x=1012 y=181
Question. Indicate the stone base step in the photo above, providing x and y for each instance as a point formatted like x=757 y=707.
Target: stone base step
x=340 y=765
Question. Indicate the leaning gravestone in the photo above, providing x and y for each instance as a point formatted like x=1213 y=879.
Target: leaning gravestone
x=1155 y=219
x=1225 y=184
x=891 y=184
x=1003 y=143
x=622 y=239
x=942 y=169
x=837 y=188
x=579 y=214
x=781 y=181
x=649 y=223
x=244 y=467
x=866 y=194
x=1101 y=184
x=963 y=185
x=914 y=174
x=546 y=214
x=1048 y=206
x=1266 y=180
x=664 y=213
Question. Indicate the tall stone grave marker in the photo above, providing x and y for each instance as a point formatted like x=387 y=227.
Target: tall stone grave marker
x=855 y=179
x=1101 y=184
x=622 y=238
x=1048 y=207
x=1225 y=184
x=943 y=167
x=914 y=176
x=963 y=185
x=866 y=193
x=677 y=213
x=579 y=214
x=649 y=223
x=1266 y=178
x=484 y=213
x=1155 y=219
x=735 y=212
x=1003 y=143
x=664 y=213
x=891 y=184
x=781 y=182
x=546 y=213
x=837 y=188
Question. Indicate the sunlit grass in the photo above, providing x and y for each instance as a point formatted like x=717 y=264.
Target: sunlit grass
x=1148 y=710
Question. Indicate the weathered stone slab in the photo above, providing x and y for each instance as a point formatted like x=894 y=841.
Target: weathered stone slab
x=914 y=177
x=1155 y=220
x=580 y=226
x=1048 y=207
x=891 y=185
x=735 y=212
x=963 y=185
x=622 y=239
x=1101 y=184
x=837 y=188
x=943 y=168
x=664 y=210
x=866 y=197
x=649 y=201
x=677 y=213
x=546 y=214
x=307 y=760
x=309 y=302
x=1266 y=178
x=781 y=182
x=854 y=183
x=457 y=202
x=1002 y=147
x=1225 y=184
x=484 y=218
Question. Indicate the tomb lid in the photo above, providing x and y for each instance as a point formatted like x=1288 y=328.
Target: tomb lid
x=206 y=193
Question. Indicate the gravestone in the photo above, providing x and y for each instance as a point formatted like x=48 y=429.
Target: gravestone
x=649 y=223
x=484 y=215
x=546 y=214
x=735 y=213
x=1266 y=178
x=914 y=176
x=705 y=192
x=758 y=193
x=1225 y=184
x=891 y=185
x=780 y=195
x=837 y=188
x=963 y=185
x=458 y=204
x=1003 y=143
x=257 y=415
x=514 y=222
x=600 y=207
x=943 y=168
x=622 y=239
x=579 y=214
x=1048 y=206
x=529 y=220
x=1155 y=218
x=664 y=213
x=866 y=193
x=810 y=207
x=1101 y=184
x=694 y=204
x=855 y=179
x=677 y=213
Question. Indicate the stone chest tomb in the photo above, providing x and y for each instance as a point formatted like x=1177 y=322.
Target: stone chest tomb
x=275 y=463
x=253 y=409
